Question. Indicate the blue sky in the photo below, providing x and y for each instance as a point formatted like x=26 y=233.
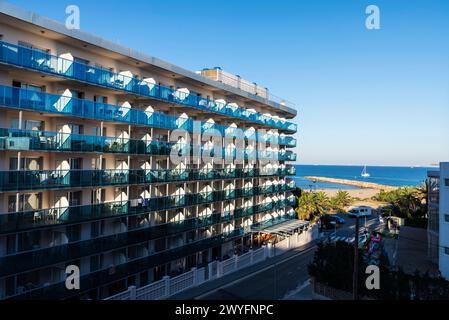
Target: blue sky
x=379 y=97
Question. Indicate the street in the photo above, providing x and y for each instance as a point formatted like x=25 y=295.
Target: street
x=262 y=285
x=286 y=279
x=347 y=230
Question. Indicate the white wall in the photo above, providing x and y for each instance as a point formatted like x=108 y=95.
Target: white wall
x=444 y=225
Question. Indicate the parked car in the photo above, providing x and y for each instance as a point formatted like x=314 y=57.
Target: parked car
x=329 y=221
x=337 y=219
x=360 y=212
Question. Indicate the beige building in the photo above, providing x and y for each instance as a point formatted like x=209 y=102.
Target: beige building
x=126 y=166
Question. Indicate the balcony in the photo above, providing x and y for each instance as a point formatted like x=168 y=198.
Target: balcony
x=18 y=98
x=287 y=156
x=23 y=140
x=98 y=278
x=42 y=61
x=21 y=180
x=39 y=258
x=40 y=218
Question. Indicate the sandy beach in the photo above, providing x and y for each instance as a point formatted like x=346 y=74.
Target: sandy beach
x=364 y=191
x=363 y=194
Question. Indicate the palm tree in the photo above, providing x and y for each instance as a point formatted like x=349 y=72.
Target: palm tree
x=311 y=204
x=423 y=191
x=334 y=204
x=306 y=206
x=321 y=202
x=406 y=202
x=343 y=198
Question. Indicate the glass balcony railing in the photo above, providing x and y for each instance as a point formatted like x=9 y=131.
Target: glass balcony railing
x=42 y=61
x=14 y=222
x=45 y=102
x=23 y=140
x=38 y=258
x=98 y=278
x=20 y=180
x=57 y=179
x=287 y=156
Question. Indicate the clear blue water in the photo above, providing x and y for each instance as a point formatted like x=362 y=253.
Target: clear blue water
x=392 y=176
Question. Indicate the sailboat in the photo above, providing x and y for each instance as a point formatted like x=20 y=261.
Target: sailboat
x=365 y=173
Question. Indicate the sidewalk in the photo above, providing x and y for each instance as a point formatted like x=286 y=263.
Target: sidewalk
x=235 y=276
x=303 y=292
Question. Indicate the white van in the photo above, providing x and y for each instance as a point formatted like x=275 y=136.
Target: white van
x=362 y=211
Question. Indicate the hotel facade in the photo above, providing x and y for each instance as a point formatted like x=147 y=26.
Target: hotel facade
x=438 y=226
x=126 y=166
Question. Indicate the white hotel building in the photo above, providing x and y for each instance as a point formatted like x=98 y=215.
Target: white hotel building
x=88 y=133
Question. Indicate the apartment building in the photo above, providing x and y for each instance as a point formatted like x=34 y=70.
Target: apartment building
x=433 y=225
x=438 y=226
x=126 y=166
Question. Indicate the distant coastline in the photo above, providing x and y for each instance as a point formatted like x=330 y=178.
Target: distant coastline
x=355 y=183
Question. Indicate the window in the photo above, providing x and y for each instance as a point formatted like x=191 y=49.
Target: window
x=73 y=232
x=98 y=164
x=101 y=99
x=95 y=229
x=446 y=217
x=39 y=54
x=28 y=241
x=32 y=87
x=96 y=131
x=77 y=94
x=98 y=196
x=25 y=164
x=446 y=182
x=75 y=198
x=11 y=244
x=446 y=250
x=27 y=202
x=28 y=125
x=81 y=60
x=96 y=262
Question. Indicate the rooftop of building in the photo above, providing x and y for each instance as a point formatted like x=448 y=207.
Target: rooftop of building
x=433 y=173
x=32 y=22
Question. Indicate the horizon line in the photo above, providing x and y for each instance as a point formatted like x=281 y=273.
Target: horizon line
x=368 y=165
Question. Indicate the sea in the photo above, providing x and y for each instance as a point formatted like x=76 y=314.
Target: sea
x=391 y=176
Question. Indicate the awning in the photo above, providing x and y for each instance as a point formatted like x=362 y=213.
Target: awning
x=285 y=228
